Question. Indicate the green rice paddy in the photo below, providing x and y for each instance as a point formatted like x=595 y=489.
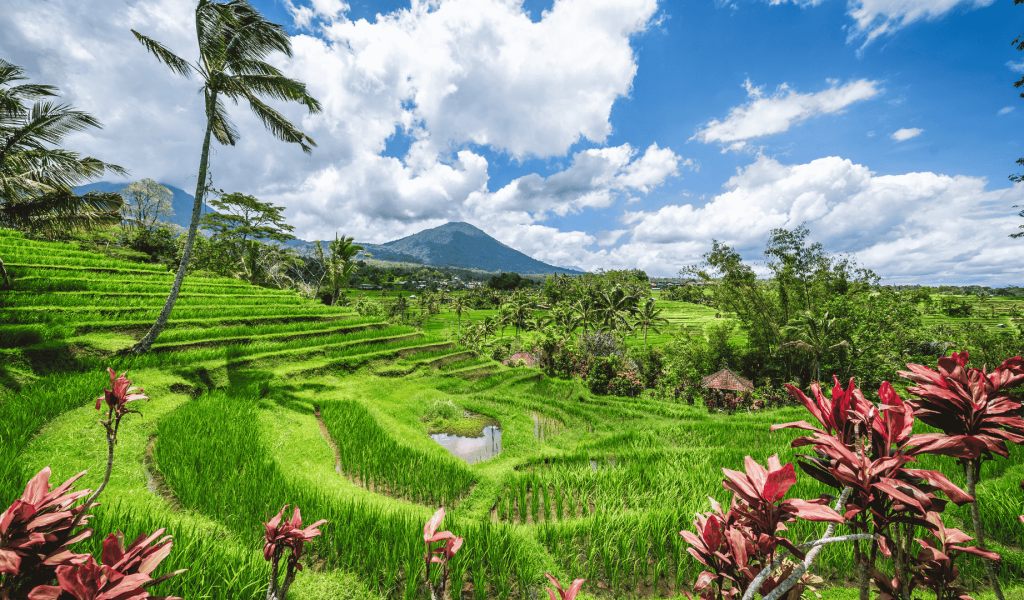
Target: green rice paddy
x=260 y=398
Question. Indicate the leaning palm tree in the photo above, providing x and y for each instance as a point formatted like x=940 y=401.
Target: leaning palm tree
x=234 y=39
x=341 y=264
x=36 y=175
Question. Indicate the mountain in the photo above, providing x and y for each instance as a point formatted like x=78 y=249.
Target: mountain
x=181 y=202
x=462 y=245
x=459 y=245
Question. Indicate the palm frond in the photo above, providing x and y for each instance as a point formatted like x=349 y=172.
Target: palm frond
x=277 y=124
x=252 y=35
x=277 y=87
x=223 y=128
x=63 y=211
x=162 y=54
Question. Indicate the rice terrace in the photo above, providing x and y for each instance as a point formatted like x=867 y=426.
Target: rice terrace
x=195 y=403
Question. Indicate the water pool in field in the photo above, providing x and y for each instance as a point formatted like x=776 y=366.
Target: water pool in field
x=472 y=449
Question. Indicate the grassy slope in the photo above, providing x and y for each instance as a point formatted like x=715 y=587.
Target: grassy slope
x=668 y=455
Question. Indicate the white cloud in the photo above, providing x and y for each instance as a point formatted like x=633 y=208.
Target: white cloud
x=917 y=227
x=1016 y=67
x=447 y=73
x=767 y=115
x=905 y=134
x=1005 y=110
x=874 y=18
x=594 y=180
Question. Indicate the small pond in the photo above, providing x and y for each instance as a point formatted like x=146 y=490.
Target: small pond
x=472 y=449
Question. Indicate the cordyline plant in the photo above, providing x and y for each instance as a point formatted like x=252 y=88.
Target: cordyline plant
x=569 y=594
x=741 y=546
x=866 y=449
x=116 y=400
x=38 y=530
x=976 y=415
x=934 y=566
x=281 y=535
x=441 y=555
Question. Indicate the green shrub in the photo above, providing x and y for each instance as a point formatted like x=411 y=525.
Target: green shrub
x=601 y=372
x=443 y=408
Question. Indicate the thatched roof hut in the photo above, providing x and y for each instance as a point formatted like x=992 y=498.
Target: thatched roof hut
x=727 y=380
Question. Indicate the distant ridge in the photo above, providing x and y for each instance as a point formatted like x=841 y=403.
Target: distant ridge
x=181 y=202
x=459 y=245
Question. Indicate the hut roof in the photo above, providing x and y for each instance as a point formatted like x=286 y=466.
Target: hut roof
x=727 y=380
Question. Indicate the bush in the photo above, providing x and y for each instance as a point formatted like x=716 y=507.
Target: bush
x=626 y=383
x=598 y=344
x=650 y=364
x=158 y=244
x=600 y=373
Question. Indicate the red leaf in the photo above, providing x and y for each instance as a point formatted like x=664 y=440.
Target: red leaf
x=779 y=482
x=712 y=533
x=812 y=511
x=703 y=581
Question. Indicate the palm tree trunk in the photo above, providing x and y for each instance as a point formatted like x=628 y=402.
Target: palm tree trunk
x=972 y=469
x=146 y=343
x=7 y=282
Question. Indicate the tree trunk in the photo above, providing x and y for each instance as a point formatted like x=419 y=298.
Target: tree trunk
x=146 y=343
x=7 y=282
x=972 y=469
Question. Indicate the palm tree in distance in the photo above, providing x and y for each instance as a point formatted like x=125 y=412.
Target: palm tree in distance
x=460 y=304
x=648 y=317
x=234 y=39
x=812 y=338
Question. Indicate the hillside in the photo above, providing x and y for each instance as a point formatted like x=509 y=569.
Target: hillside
x=461 y=245
x=181 y=202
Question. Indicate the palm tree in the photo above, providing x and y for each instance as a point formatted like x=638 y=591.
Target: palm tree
x=459 y=305
x=36 y=178
x=615 y=308
x=340 y=265
x=813 y=335
x=504 y=317
x=521 y=311
x=647 y=317
x=234 y=39
x=587 y=310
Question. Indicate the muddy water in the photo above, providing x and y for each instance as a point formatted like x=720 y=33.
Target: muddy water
x=472 y=449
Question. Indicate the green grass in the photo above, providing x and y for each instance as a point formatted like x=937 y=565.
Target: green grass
x=234 y=436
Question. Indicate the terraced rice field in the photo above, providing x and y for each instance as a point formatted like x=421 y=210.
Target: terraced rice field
x=260 y=398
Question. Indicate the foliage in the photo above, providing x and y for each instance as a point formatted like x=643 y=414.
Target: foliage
x=240 y=226
x=508 y=281
x=37 y=176
x=601 y=371
x=158 y=242
x=650 y=364
x=625 y=383
x=442 y=555
x=280 y=535
x=147 y=202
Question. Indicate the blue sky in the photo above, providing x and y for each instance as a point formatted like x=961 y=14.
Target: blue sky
x=597 y=133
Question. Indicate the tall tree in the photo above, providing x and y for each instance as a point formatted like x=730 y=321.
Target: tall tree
x=242 y=223
x=1019 y=43
x=341 y=265
x=147 y=202
x=37 y=176
x=234 y=39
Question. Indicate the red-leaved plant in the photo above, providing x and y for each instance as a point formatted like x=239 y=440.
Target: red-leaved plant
x=441 y=555
x=738 y=544
x=279 y=536
x=867 y=448
x=569 y=594
x=976 y=415
x=38 y=530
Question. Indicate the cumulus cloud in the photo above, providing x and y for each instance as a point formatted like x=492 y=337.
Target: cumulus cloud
x=1016 y=67
x=767 y=115
x=916 y=227
x=449 y=74
x=905 y=134
x=873 y=18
